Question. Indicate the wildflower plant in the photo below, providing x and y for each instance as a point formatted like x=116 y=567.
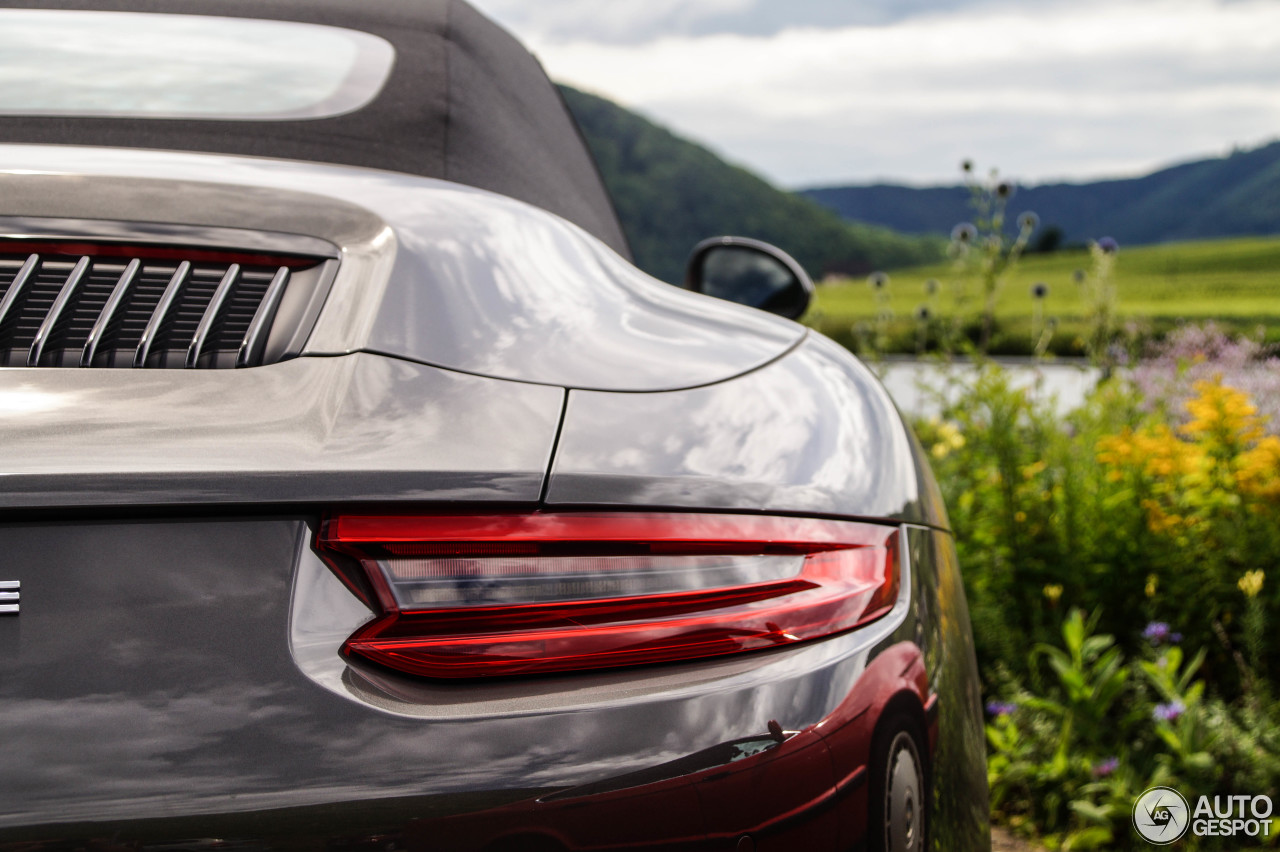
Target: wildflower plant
x=1099 y=294
x=1163 y=521
x=1068 y=760
x=1209 y=486
x=982 y=251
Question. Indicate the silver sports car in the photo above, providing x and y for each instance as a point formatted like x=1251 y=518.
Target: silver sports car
x=358 y=493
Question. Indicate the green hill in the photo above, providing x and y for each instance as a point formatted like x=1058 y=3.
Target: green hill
x=1236 y=195
x=670 y=193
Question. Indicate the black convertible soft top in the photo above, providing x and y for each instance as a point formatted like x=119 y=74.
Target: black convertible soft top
x=465 y=102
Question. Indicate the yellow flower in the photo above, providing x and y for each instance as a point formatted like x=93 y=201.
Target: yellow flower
x=949 y=434
x=1158 y=520
x=1258 y=469
x=1251 y=583
x=1153 y=582
x=1053 y=591
x=1032 y=469
x=1020 y=516
x=1116 y=450
x=1221 y=412
x=949 y=438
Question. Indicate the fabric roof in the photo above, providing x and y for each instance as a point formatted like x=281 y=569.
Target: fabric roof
x=465 y=102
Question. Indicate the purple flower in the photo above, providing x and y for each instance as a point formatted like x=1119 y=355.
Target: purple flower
x=1108 y=245
x=1106 y=767
x=1166 y=377
x=1158 y=633
x=1001 y=708
x=1168 y=712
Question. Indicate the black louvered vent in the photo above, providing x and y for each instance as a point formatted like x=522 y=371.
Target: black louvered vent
x=83 y=305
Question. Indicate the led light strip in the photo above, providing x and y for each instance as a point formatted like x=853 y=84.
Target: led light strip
x=571 y=591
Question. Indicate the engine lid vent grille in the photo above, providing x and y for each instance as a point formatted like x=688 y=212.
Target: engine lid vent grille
x=81 y=304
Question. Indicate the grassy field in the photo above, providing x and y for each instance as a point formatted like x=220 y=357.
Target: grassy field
x=1234 y=282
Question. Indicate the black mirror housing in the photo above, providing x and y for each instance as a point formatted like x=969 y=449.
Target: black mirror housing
x=749 y=272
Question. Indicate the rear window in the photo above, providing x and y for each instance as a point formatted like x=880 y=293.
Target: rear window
x=129 y=64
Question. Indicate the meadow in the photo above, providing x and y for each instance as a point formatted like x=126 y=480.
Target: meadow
x=1234 y=282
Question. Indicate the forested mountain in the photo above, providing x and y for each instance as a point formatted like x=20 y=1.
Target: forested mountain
x=670 y=193
x=1237 y=195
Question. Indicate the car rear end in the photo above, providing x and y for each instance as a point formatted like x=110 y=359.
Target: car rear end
x=336 y=596
x=359 y=508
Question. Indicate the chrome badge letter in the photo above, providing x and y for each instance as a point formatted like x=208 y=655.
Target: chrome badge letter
x=10 y=596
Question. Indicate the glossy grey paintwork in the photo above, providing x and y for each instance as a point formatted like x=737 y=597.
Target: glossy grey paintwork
x=961 y=809
x=432 y=271
x=198 y=692
x=813 y=432
x=182 y=709
x=164 y=234
x=349 y=428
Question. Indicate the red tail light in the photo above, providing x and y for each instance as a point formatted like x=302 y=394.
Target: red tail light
x=477 y=596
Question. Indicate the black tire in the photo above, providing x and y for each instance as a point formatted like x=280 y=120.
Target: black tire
x=898 y=801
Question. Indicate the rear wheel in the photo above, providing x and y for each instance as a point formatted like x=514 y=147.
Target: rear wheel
x=898 y=807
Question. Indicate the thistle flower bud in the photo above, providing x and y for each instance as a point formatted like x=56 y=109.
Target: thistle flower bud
x=1039 y=290
x=1004 y=190
x=922 y=313
x=1108 y=245
x=1028 y=221
x=964 y=232
x=878 y=280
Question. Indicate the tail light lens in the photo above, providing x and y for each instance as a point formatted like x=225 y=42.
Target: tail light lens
x=480 y=596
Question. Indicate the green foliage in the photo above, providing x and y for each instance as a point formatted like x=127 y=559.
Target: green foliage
x=1166 y=529
x=671 y=193
x=1067 y=762
x=1156 y=289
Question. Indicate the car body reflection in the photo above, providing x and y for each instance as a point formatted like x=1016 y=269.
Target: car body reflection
x=782 y=789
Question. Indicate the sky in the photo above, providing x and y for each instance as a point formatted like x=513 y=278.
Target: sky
x=828 y=92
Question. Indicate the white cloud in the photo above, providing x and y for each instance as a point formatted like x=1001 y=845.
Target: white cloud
x=614 y=21
x=1064 y=89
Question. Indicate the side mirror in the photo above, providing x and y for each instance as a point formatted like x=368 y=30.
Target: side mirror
x=749 y=272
